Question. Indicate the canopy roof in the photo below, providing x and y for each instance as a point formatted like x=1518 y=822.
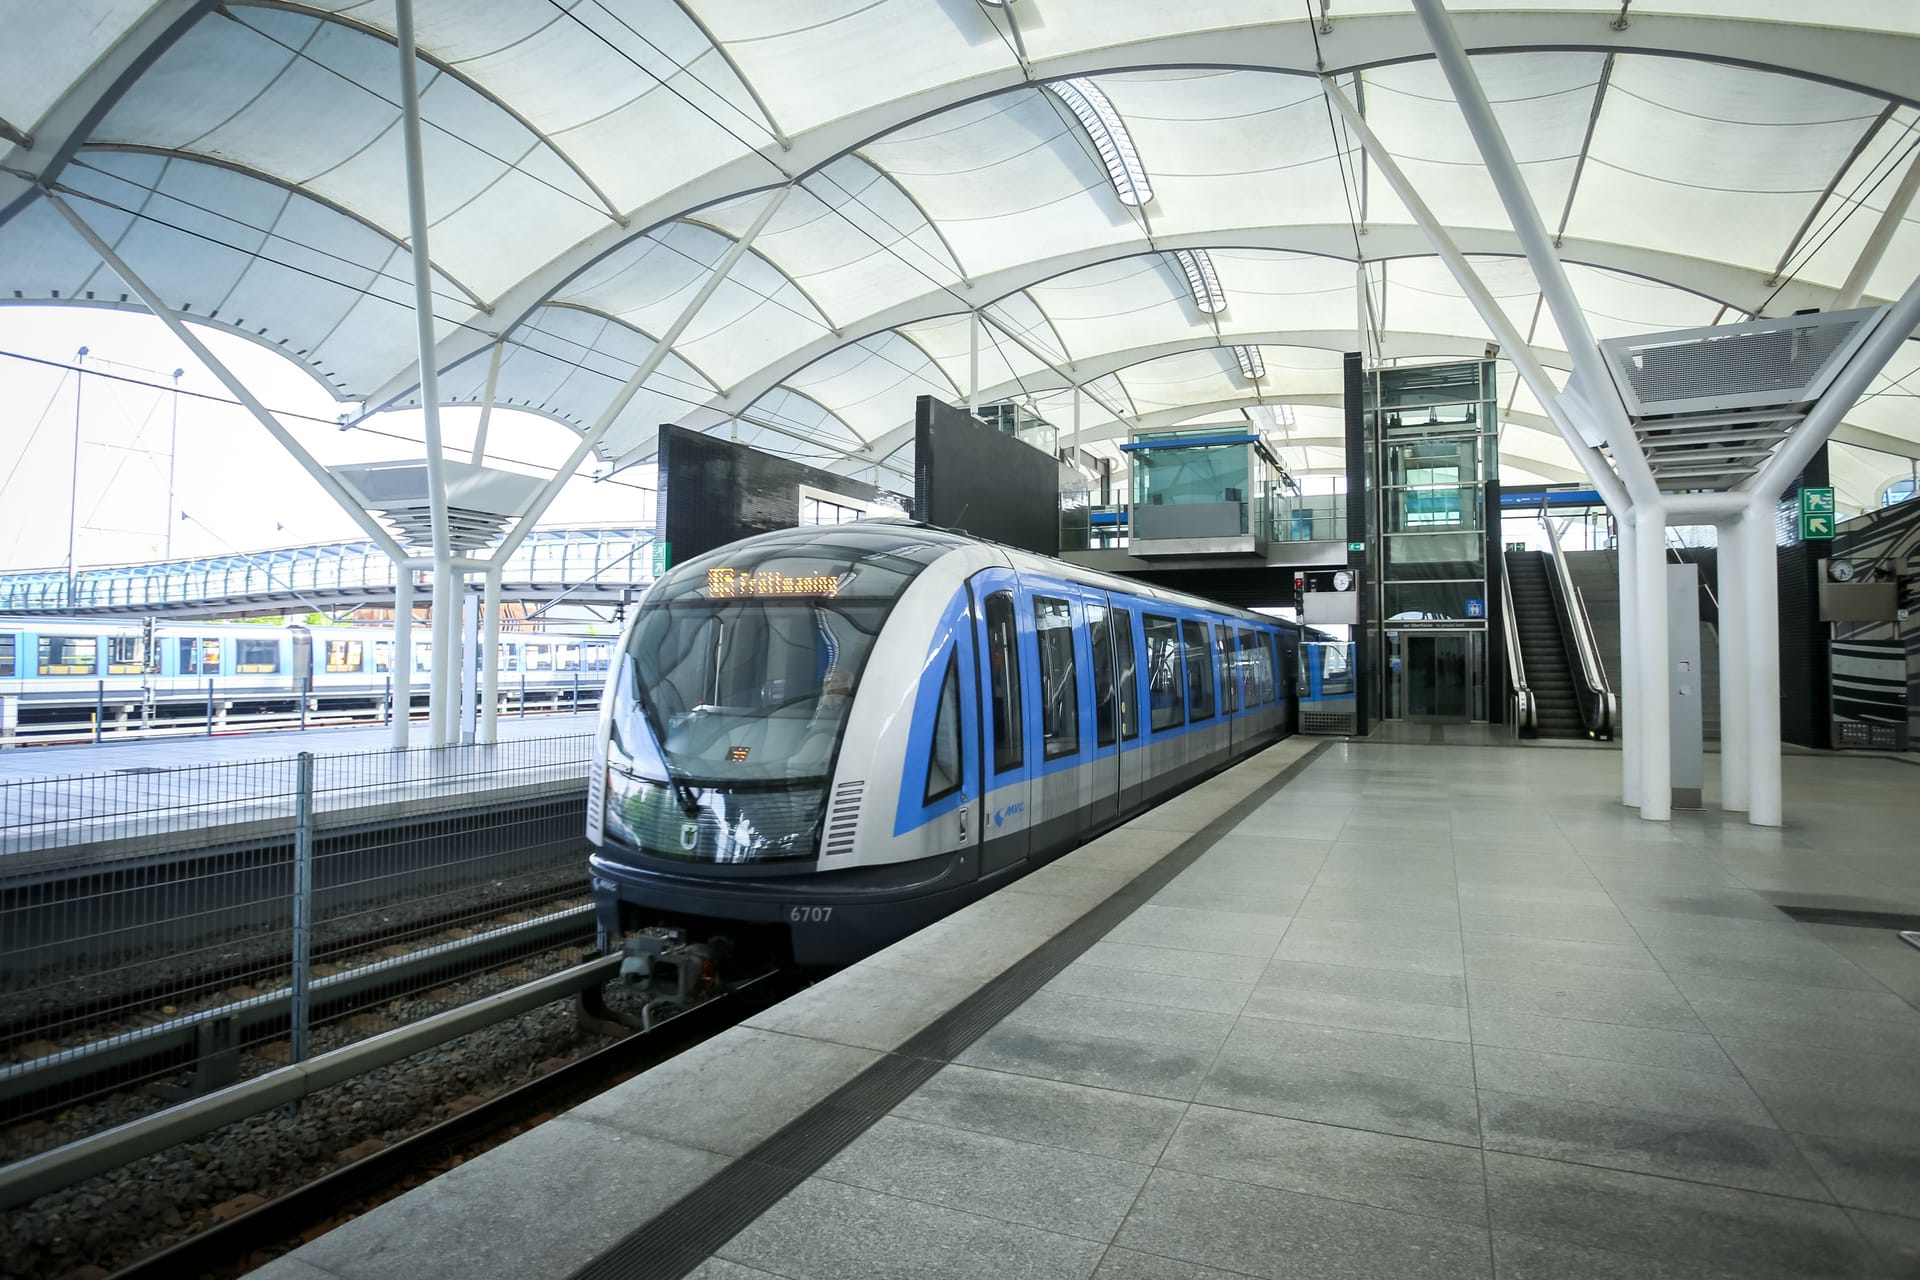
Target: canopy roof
x=1044 y=161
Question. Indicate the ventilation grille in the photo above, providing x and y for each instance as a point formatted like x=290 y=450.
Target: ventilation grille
x=1327 y=722
x=1762 y=363
x=843 y=819
x=596 y=799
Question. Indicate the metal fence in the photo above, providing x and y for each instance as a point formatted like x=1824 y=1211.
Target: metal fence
x=165 y=932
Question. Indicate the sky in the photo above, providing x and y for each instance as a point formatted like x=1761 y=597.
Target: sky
x=237 y=488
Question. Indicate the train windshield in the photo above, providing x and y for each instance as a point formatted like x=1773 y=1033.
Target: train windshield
x=746 y=660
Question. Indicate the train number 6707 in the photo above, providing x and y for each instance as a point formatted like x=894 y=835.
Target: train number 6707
x=809 y=915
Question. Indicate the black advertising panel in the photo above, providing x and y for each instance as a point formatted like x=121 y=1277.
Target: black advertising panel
x=715 y=491
x=968 y=476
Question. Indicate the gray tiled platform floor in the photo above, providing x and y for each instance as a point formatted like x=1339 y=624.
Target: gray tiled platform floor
x=1434 y=1012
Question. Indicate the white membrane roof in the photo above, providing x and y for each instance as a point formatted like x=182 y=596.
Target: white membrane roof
x=589 y=161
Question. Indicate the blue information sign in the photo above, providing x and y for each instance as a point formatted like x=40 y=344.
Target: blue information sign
x=1476 y=608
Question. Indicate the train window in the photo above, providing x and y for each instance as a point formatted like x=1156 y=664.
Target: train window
x=423 y=655
x=566 y=657
x=1254 y=670
x=509 y=658
x=1224 y=663
x=943 y=758
x=1129 y=688
x=7 y=646
x=256 y=657
x=1199 y=670
x=593 y=657
x=1100 y=632
x=1163 y=673
x=124 y=656
x=383 y=655
x=1273 y=652
x=539 y=657
x=69 y=656
x=1059 y=683
x=346 y=656
x=1003 y=663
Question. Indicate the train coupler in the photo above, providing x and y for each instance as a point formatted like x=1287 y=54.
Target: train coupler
x=671 y=973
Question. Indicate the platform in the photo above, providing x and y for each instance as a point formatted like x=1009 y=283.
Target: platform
x=122 y=798
x=1346 y=1010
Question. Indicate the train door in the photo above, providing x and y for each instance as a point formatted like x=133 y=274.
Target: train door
x=1103 y=781
x=1127 y=689
x=302 y=659
x=1003 y=736
x=1059 y=796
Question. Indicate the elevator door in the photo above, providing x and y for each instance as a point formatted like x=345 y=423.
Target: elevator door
x=1435 y=672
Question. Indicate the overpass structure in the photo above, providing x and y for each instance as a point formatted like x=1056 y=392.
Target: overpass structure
x=586 y=565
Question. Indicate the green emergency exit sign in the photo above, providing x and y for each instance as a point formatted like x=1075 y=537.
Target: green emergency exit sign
x=1816 y=514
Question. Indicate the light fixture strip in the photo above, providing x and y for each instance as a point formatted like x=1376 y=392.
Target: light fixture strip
x=1207 y=293
x=1251 y=365
x=1109 y=133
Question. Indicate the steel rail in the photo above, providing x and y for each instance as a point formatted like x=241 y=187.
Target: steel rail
x=332 y=997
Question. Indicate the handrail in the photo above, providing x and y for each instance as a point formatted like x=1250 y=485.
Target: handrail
x=1523 y=704
x=1605 y=705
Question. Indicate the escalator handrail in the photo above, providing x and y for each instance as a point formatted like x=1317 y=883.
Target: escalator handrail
x=1599 y=693
x=1523 y=705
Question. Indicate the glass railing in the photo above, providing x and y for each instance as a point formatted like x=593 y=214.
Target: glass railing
x=564 y=557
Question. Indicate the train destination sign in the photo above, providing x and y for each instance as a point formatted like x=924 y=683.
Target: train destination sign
x=727 y=584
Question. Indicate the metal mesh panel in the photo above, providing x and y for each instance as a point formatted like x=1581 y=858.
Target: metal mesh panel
x=1760 y=363
x=167 y=932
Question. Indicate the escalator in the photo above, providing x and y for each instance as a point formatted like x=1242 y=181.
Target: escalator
x=1559 y=680
x=1536 y=618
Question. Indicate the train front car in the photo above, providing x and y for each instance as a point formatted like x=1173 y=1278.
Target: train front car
x=754 y=736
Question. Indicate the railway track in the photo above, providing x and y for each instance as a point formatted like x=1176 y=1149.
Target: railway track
x=231 y=1248
x=209 y=1042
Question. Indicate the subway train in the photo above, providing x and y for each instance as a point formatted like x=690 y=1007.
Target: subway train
x=827 y=738
x=58 y=667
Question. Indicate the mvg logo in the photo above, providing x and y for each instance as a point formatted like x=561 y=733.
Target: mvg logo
x=1001 y=814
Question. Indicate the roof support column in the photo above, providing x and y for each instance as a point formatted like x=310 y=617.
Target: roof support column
x=1760 y=617
x=973 y=362
x=1877 y=241
x=1627 y=539
x=401 y=667
x=1512 y=342
x=486 y=403
x=622 y=398
x=441 y=708
x=1651 y=662
x=188 y=338
x=1735 y=642
x=1609 y=414
x=490 y=656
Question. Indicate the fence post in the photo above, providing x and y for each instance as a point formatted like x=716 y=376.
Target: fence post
x=576 y=692
x=303 y=710
x=209 y=708
x=302 y=903
x=386 y=708
x=523 y=689
x=99 y=708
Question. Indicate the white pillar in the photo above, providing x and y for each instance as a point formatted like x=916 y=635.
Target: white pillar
x=1653 y=716
x=490 y=657
x=441 y=711
x=973 y=363
x=1762 y=619
x=1627 y=679
x=1734 y=730
x=402 y=669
